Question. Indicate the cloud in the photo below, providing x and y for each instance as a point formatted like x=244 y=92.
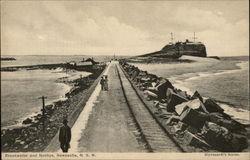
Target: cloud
x=131 y=28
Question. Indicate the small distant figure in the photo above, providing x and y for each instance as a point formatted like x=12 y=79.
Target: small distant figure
x=65 y=136
x=102 y=83
x=106 y=83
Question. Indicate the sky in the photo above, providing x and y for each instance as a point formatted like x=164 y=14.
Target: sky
x=122 y=27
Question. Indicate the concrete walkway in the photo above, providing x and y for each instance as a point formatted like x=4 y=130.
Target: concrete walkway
x=108 y=128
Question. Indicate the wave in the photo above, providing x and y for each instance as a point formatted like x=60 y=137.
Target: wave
x=242 y=66
x=242 y=115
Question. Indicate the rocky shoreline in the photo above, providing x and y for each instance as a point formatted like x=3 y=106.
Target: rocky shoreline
x=197 y=123
x=157 y=60
x=33 y=136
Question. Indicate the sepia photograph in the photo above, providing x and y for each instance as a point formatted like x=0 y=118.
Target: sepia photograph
x=135 y=79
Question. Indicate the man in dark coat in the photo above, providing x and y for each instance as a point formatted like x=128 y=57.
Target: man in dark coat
x=65 y=136
x=102 y=83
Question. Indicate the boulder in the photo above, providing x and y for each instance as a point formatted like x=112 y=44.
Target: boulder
x=27 y=121
x=26 y=146
x=242 y=141
x=156 y=104
x=150 y=94
x=182 y=125
x=182 y=93
x=228 y=123
x=193 y=140
x=197 y=105
x=192 y=129
x=173 y=99
x=173 y=120
x=222 y=139
x=212 y=106
x=193 y=118
x=180 y=108
x=135 y=74
x=163 y=87
x=197 y=95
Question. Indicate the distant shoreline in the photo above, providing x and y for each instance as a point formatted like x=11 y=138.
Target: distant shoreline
x=7 y=59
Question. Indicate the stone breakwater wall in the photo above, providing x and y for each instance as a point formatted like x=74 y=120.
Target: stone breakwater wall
x=196 y=122
x=33 y=137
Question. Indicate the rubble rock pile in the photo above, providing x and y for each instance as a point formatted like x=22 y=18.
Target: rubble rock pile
x=192 y=120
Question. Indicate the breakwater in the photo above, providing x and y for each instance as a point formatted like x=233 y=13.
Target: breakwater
x=196 y=122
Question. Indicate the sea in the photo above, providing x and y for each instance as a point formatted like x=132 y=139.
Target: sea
x=20 y=90
x=225 y=80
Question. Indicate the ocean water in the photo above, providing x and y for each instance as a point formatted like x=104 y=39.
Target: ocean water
x=224 y=80
x=20 y=90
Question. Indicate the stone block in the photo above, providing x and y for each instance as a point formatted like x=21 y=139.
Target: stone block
x=212 y=106
x=163 y=87
x=222 y=139
x=192 y=129
x=197 y=105
x=228 y=123
x=173 y=99
x=180 y=108
x=27 y=121
x=197 y=95
x=193 y=140
x=182 y=125
x=193 y=118
x=173 y=120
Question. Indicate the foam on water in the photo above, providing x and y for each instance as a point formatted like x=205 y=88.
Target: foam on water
x=242 y=65
x=238 y=113
x=81 y=123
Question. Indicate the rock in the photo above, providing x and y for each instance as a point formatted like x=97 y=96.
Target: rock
x=156 y=104
x=197 y=105
x=242 y=141
x=150 y=94
x=211 y=106
x=180 y=108
x=163 y=87
x=26 y=146
x=182 y=93
x=32 y=129
x=18 y=141
x=173 y=99
x=228 y=123
x=192 y=129
x=22 y=142
x=182 y=126
x=193 y=118
x=193 y=140
x=27 y=121
x=197 y=95
x=222 y=139
x=175 y=129
x=173 y=120
x=134 y=74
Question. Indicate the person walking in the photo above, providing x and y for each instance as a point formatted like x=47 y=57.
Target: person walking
x=102 y=82
x=65 y=136
x=106 y=83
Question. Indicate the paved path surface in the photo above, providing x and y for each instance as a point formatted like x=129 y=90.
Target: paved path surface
x=109 y=127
